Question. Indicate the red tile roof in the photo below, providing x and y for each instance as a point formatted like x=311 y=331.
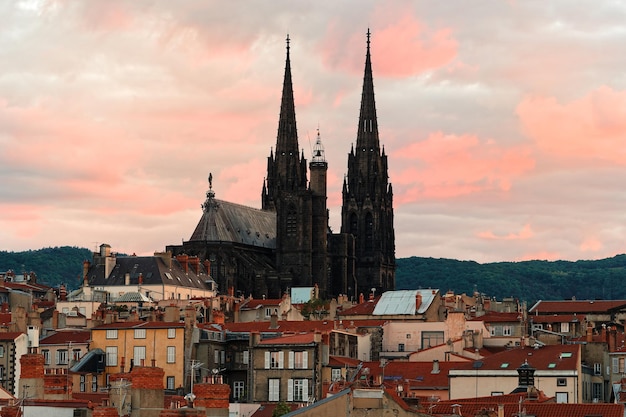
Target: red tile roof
x=342 y=361
x=298 y=339
x=496 y=317
x=365 y=308
x=139 y=324
x=544 y=409
x=554 y=357
x=267 y=409
x=253 y=304
x=577 y=306
x=10 y=335
x=557 y=318
x=66 y=336
x=294 y=326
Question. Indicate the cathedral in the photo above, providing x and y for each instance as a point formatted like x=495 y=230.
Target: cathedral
x=288 y=243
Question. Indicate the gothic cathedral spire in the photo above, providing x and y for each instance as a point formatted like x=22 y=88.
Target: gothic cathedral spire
x=367 y=209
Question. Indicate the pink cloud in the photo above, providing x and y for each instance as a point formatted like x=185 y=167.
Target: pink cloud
x=446 y=166
x=591 y=244
x=541 y=255
x=525 y=233
x=401 y=47
x=593 y=126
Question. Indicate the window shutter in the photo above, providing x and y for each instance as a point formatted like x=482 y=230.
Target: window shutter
x=291 y=355
x=281 y=360
x=290 y=390
x=305 y=389
x=267 y=360
x=305 y=359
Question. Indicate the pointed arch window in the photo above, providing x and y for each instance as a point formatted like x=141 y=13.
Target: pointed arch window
x=292 y=221
x=369 y=232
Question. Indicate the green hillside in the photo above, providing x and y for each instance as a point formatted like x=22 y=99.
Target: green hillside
x=53 y=266
x=528 y=280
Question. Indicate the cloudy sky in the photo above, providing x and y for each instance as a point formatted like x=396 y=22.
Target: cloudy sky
x=504 y=121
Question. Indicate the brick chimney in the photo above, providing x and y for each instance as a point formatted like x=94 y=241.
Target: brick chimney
x=213 y=398
x=183 y=260
x=194 y=261
x=86 y=266
x=31 y=376
x=589 y=333
x=104 y=411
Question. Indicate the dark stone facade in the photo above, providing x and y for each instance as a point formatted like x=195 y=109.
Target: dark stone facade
x=288 y=242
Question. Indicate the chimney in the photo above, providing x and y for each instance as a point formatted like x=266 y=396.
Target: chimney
x=435 y=367
x=182 y=260
x=62 y=292
x=140 y=279
x=589 y=333
x=166 y=257
x=207 y=266
x=195 y=263
x=603 y=338
x=274 y=321
x=612 y=339
x=361 y=298
x=456 y=409
x=86 y=266
x=500 y=410
x=127 y=279
x=418 y=301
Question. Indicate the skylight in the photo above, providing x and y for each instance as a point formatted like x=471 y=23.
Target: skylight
x=504 y=365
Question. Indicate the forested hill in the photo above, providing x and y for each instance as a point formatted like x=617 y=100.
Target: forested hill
x=53 y=266
x=528 y=280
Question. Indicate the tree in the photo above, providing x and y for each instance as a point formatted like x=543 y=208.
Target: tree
x=281 y=409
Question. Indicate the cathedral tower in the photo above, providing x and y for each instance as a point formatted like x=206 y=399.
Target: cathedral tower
x=367 y=209
x=301 y=219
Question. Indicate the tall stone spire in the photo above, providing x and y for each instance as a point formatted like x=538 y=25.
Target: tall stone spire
x=367 y=209
x=287 y=140
x=286 y=171
x=368 y=123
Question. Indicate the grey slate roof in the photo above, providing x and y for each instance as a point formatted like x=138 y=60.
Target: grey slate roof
x=230 y=222
x=153 y=269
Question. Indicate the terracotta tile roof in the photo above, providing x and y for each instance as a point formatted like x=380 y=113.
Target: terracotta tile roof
x=557 y=318
x=342 y=361
x=67 y=336
x=419 y=374
x=552 y=357
x=544 y=409
x=365 y=308
x=496 y=317
x=5 y=318
x=10 y=335
x=298 y=339
x=577 y=306
x=139 y=324
x=253 y=304
x=294 y=326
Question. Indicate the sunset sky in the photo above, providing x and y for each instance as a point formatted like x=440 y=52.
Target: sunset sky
x=504 y=121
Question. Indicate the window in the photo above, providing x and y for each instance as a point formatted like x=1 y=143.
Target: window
x=564 y=327
x=400 y=347
x=430 y=339
x=83 y=384
x=335 y=374
x=507 y=331
x=621 y=365
x=561 y=397
x=268 y=312
x=492 y=330
x=111 y=333
x=298 y=360
x=111 y=355
x=273 y=389
x=216 y=357
x=408 y=335
x=62 y=357
x=171 y=333
x=46 y=356
x=292 y=221
x=171 y=382
x=1 y=351
x=171 y=354
x=94 y=383
x=140 y=333
x=238 y=389
x=274 y=360
x=496 y=393
x=139 y=354
x=76 y=354
x=597 y=369
x=298 y=390
x=597 y=391
x=561 y=382
x=615 y=363
x=246 y=357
